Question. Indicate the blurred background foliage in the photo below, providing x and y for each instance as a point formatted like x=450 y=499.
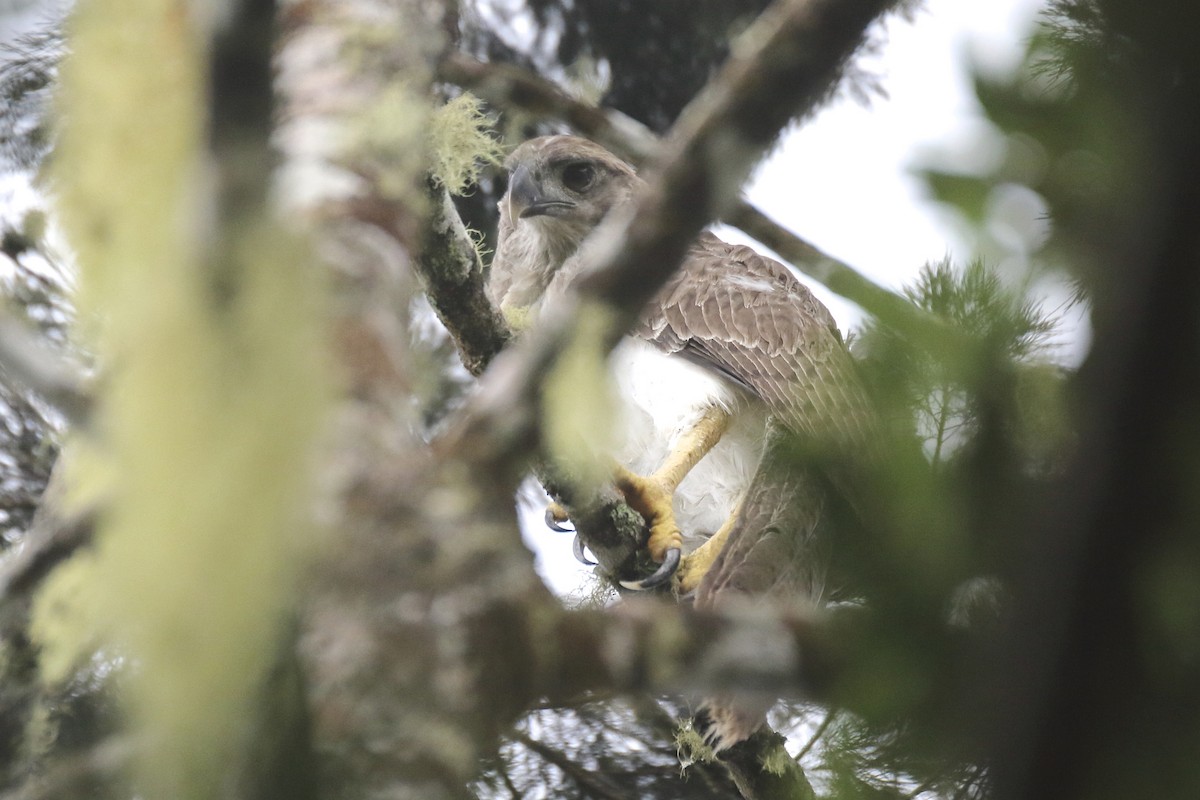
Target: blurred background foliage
x=34 y=280
x=1048 y=514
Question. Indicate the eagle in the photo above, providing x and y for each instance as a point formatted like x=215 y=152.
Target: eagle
x=731 y=363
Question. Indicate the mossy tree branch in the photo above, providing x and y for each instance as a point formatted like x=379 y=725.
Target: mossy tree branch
x=452 y=277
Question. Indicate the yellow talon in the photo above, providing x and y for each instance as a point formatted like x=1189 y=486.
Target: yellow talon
x=696 y=564
x=555 y=516
x=650 y=498
x=653 y=496
x=688 y=576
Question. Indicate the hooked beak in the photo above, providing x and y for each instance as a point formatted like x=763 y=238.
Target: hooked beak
x=526 y=195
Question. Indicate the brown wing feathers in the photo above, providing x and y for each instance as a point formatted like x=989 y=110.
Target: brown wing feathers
x=747 y=317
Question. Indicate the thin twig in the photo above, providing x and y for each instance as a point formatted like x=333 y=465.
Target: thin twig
x=26 y=359
x=820 y=731
x=592 y=782
x=508 y=783
x=964 y=788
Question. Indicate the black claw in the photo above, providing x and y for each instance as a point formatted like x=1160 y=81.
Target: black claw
x=663 y=574
x=553 y=524
x=580 y=553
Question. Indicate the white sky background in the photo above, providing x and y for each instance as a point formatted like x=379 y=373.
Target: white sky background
x=844 y=181
x=857 y=198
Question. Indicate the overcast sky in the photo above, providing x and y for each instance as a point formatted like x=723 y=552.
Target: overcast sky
x=858 y=199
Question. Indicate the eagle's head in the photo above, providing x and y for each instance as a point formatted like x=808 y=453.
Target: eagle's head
x=559 y=189
x=563 y=183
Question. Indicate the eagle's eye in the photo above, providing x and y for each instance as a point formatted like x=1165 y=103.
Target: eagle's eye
x=578 y=176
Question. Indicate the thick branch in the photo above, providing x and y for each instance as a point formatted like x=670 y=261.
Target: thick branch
x=612 y=530
x=452 y=277
x=747 y=763
x=508 y=85
x=648 y=645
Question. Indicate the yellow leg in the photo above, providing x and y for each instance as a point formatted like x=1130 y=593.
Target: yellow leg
x=696 y=564
x=652 y=495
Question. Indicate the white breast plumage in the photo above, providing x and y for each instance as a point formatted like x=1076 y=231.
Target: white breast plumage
x=662 y=396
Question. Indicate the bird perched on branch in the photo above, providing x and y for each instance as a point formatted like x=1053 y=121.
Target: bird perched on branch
x=731 y=364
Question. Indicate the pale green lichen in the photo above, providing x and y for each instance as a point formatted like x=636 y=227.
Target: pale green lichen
x=776 y=760
x=479 y=242
x=402 y=138
x=691 y=747
x=586 y=80
x=461 y=142
x=578 y=403
x=390 y=136
x=204 y=429
x=386 y=131
x=113 y=203
x=42 y=730
x=519 y=318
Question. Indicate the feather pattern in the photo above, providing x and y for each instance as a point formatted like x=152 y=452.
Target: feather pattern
x=750 y=319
